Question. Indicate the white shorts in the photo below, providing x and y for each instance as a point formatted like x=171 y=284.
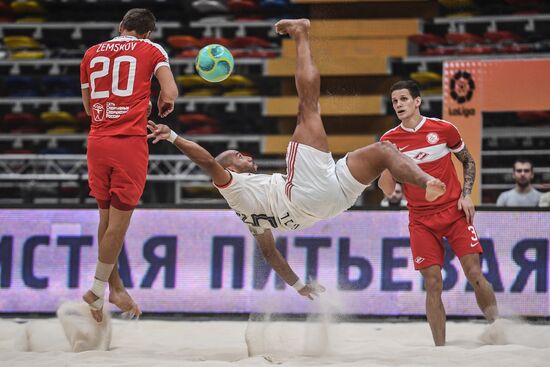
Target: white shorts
x=316 y=184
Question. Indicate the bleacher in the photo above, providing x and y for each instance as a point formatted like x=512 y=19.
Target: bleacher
x=360 y=46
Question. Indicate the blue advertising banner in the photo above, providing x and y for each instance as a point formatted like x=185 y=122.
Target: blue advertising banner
x=206 y=261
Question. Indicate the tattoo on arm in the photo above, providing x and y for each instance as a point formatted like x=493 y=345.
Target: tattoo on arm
x=469 y=170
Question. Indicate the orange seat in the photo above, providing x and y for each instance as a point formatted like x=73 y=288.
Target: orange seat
x=183 y=41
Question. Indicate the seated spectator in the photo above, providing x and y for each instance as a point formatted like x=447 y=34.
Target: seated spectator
x=523 y=194
x=396 y=199
x=544 y=201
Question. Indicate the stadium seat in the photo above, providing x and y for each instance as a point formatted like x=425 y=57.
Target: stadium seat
x=27 y=55
x=218 y=40
x=476 y=50
x=241 y=92
x=18 y=42
x=250 y=42
x=20 y=118
x=191 y=81
x=502 y=36
x=274 y=5
x=261 y=54
x=61 y=86
x=183 y=41
x=236 y=80
x=188 y=54
x=57 y=117
x=201 y=92
x=463 y=38
x=209 y=6
x=21 y=7
x=426 y=77
x=242 y=6
x=439 y=51
x=427 y=40
x=61 y=131
x=20 y=86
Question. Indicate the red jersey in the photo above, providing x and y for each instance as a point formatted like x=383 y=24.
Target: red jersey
x=118 y=73
x=430 y=145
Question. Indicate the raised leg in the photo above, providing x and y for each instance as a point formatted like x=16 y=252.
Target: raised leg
x=367 y=163
x=309 y=128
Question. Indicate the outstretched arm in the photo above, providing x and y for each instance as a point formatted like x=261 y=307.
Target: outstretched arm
x=469 y=165
x=192 y=150
x=266 y=243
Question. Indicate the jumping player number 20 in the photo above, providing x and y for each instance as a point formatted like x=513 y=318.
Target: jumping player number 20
x=105 y=63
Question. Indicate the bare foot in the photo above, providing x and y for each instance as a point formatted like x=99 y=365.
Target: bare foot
x=89 y=297
x=434 y=189
x=121 y=299
x=292 y=26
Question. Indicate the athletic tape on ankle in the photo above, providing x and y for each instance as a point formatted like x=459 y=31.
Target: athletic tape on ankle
x=98 y=288
x=298 y=285
x=103 y=271
x=172 y=136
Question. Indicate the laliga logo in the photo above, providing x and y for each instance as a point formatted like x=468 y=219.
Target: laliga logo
x=462 y=87
x=98 y=111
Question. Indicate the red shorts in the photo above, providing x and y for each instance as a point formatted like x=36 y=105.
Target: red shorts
x=427 y=232
x=117 y=169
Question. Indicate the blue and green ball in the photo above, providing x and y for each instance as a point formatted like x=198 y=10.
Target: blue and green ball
x=214 y=63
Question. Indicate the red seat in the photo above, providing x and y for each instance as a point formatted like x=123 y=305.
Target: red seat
x=427 y=39
x=514 y=49
x=529 y=116
x=475 y=50
x=250 y=42
x=254 y=53
x=20 y=118
x=210 y=40
x=187 y=54
x=241 y=6
x=460 y=38
x=501 y=36
x=196 y=118
x=439 y=51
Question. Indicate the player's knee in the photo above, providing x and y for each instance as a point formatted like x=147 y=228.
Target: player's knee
x=433 y=284
x=386 y=146
x=474 y=275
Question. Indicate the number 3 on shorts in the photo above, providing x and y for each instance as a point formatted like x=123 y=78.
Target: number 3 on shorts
x=474 y=234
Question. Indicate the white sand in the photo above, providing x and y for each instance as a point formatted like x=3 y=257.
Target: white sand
x=222 y=343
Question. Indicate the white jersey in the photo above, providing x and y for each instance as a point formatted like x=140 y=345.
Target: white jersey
x=260 y=201
x=313 y=189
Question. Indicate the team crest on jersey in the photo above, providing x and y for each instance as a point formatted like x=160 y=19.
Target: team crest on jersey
x=432 y=138
x=98 y=112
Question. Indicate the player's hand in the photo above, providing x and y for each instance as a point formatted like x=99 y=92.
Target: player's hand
x=158 y=131
x=149 y=108
x=465 y=203
x=165 y=107
x=312 y=289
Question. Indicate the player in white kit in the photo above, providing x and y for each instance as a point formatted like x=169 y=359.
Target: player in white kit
x=315 y=187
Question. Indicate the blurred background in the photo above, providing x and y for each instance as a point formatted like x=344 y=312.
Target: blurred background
x=361 y=47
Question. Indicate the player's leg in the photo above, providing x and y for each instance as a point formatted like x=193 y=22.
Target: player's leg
x=465 y=243
x=367 y=163
x=435 y=311
x=109 y=248
x=309 y=128
x=485 y=296
x=428 y=256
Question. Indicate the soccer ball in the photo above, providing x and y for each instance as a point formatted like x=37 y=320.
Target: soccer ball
x=214 y=63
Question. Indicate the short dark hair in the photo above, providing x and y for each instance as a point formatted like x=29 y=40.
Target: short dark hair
x=410 y=85
x=523 y=160
x=139 y=20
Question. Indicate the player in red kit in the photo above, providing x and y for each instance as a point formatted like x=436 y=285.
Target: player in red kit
x=115 y=78
x=430 y=142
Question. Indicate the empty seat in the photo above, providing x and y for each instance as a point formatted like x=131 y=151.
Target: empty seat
x=460 y=38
